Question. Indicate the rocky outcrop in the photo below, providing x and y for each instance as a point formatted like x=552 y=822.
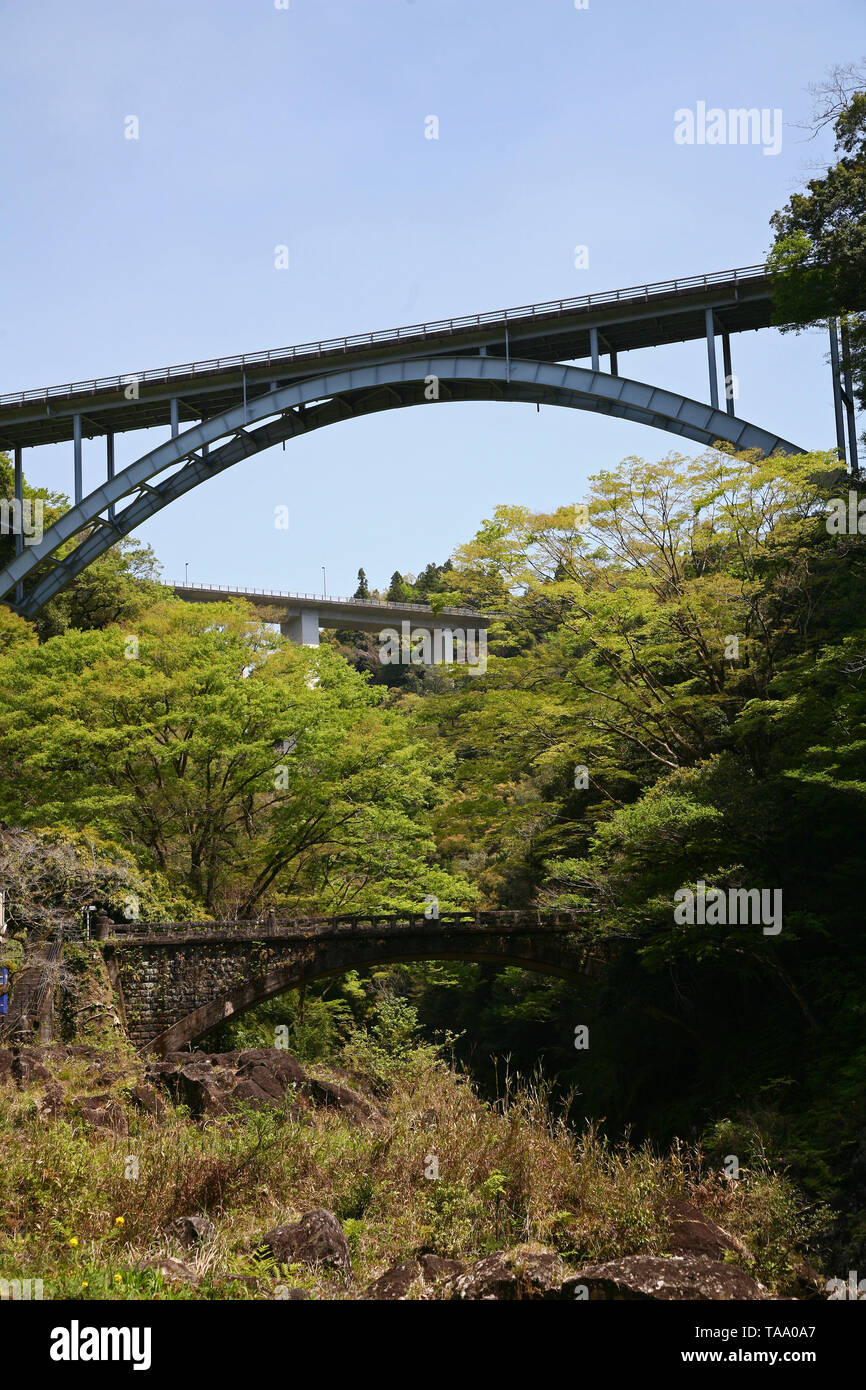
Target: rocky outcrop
x=693 y=1233
x=146 y=1100
x=193 y=1230
x=99 y=1112
x=215 y=1083
x=511 y=1274
x=27 y=1065
x=674 y=1277
x=421 y=1274
x=317 y=1239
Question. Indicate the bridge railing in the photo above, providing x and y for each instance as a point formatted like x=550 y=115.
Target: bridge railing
x=436 y=327
x=323 y=598
x=492 y=921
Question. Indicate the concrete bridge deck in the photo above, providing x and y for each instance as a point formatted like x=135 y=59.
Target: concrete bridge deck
x=302 y=615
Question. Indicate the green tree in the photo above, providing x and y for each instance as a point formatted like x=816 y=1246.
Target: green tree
x=818 y=258
x=116 y=587
x=232 y=762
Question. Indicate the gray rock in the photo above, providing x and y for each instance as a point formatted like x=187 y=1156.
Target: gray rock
x=510 y=1274
x=693 y=1233
x=317 y=1239
x=193 y=1230
x=677 y=1277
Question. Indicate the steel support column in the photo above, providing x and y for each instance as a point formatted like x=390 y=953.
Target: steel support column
x=711 y=358
x=175 y=419
x=837 y=390
x=19 y=506
x=729 y=373
x=613 y=364
x=849 y=403
x=76 y=452
x=109 y=466
x=593 y=348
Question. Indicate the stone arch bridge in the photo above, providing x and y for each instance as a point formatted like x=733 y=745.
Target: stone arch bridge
x=174 y=981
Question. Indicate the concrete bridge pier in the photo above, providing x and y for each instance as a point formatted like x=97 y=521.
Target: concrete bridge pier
x=302 y=628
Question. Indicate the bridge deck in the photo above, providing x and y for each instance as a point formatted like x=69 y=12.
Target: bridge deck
x=357 y=614
x=556 y=331
x=330 y=928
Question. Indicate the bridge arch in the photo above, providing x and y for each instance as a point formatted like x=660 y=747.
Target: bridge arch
x=281 y=978
x=175 y=983
x=286 y=412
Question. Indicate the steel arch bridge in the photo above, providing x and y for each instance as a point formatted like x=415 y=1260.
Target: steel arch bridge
x=235 y=407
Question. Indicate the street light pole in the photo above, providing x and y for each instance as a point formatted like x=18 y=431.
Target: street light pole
x=186 y=573
x=324 y=583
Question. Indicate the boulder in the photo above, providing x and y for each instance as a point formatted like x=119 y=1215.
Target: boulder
x=434 y=1268
x=693 y=1233
x=808 y=1283
x=28 y=1065
x=193 y=1230
x=424 y=1271
x=317 y=1239
x=395 y=1283
x=215 y=1083
x=341 y=1098
x=676 y=1277
x=192 y=1082
x=511 y=1274
x=146 y=1099
x=100 y=1112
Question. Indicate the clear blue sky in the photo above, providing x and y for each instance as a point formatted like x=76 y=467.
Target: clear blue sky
x=261 y=127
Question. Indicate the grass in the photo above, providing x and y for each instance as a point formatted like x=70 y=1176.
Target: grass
x=85 y=1209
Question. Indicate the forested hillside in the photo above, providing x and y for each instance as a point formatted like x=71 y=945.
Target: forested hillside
x=673 y=711
x=676 y=695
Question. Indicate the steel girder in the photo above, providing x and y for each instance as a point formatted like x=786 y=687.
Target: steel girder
x=342 y=395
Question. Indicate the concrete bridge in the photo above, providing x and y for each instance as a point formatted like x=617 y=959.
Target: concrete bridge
x=300 y=616
x=176 y=980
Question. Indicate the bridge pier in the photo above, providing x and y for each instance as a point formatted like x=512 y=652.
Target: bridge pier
x=849 y=403
x=76 y=458
x=109 y=467
x=729 y=373
x=711 y=358
x=302 y=629
x=19 y=502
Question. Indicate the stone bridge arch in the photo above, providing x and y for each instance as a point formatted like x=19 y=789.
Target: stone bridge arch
x=175 y=984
